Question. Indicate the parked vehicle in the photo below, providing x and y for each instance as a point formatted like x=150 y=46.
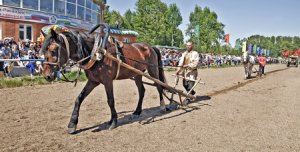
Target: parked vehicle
x=292 y=60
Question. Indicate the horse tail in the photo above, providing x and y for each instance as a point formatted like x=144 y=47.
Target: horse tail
x=160 y=65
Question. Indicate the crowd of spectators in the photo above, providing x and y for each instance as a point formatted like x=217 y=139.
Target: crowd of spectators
x=171 y=58
x=11 y=49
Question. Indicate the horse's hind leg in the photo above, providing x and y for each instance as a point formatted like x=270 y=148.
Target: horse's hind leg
x=159 y=89
x=75 y=114
x=141 y=89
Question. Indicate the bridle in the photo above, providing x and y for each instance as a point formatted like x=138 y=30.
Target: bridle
x=58 y=63
x=98 y=44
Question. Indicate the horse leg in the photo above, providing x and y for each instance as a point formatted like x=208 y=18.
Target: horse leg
x=141 y=89
x=250 y=70
x=111 y=102
x=75 y=114
x=245 y=68
x=160 y=90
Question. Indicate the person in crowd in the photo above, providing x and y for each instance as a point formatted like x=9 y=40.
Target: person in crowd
x=31 y=64
x=262 y=61
x=23 y=50
x=188 y=67
x=2 y=55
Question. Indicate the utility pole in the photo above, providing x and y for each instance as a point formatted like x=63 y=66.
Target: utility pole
x=197 y=32
x=102 y=4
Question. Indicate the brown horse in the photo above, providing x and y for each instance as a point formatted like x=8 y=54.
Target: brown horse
x=60 y=47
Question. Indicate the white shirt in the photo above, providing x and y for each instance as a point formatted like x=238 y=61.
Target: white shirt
x=191 y=59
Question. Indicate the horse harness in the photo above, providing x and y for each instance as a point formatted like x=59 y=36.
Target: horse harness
x=97 y=54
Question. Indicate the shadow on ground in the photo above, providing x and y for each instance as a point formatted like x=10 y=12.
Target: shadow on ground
x=149 y=115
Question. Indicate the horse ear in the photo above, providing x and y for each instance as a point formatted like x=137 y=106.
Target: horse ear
x=43 y=33
x=53 y=33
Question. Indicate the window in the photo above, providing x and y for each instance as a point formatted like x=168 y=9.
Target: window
x=15 y=3
x=25 y=31
x=80 y=12
x=95 y=7
x=73 y=1
x=71 y=10
x=94 y=17
x=81 y=2
x=59 y=7
x=46 y=5
x=88 y=4
x=88 y=15
x=31 y=4
x=125 y=40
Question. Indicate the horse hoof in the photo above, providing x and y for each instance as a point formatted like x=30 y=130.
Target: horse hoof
x=113 y=124
x=72 y=130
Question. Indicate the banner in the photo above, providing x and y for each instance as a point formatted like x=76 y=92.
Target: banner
x=237 y=44
x=39 y=17
x=254 y=49
x=244 y=46
x=249 y=48
x=268 y=52
x=257 y=51
x=227 y=38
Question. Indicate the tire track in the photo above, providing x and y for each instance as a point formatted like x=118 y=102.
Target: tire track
x=241 y=84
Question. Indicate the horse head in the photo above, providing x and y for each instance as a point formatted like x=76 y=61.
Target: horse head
x=56 y=52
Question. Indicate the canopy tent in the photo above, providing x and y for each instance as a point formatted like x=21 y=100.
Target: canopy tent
x=296 y=52
x=123 y=32
x=286 y=53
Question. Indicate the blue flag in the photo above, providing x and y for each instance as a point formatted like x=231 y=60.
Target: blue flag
x=257 y=51
x=254 y=48
x=249 y=48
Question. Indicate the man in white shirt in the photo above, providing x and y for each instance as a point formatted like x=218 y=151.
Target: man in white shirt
x=188 y=67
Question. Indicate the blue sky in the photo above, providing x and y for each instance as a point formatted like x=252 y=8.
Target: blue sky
x=242 y=18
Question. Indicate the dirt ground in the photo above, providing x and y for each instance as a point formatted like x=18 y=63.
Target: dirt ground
x=230 y=114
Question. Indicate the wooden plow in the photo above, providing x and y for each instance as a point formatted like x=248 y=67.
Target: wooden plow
x=104 y=30
x=169 y=88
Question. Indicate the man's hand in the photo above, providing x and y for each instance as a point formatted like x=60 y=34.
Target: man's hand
x=185 y=66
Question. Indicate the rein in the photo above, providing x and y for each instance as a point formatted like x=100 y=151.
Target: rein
x=68 y=56
x=149 y=64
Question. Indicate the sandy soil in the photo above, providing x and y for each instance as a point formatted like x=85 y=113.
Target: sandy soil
x=230 y=114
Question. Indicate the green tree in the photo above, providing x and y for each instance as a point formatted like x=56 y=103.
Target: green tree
x=150 y=21
x=174 y=19
x=113 y=18
x=211 y=31
x=128 y=20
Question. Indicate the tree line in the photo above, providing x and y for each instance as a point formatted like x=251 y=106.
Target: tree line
x=158 y=24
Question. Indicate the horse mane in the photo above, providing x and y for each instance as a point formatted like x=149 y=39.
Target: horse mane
x=79 y=38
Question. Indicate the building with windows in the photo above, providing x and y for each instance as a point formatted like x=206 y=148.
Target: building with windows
x=24 y=19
